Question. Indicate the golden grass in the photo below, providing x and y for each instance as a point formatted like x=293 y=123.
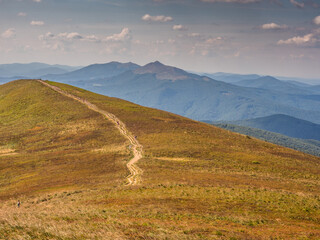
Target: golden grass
x=7 y=151
x=199 y=181
x=175 y=159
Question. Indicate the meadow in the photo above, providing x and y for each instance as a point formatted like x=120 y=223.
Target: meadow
x=67 y=166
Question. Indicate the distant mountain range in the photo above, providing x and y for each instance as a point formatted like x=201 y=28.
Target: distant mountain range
x=32 y=70
x=230 y=77
x=273 y=84
x=285 y=125
x=95 y=71
x=191 y=95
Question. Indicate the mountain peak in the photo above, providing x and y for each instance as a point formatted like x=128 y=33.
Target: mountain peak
x=156 y=63
x=162 y=71
x=269 y=78
x=156 y=66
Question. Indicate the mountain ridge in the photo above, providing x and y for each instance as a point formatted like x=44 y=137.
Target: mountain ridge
x=286 y=125
x=198 y=97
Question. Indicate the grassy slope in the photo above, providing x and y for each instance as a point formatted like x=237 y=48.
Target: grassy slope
x=199 y=181
x=47 y=140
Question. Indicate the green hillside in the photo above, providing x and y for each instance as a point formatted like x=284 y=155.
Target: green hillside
x=67 y=165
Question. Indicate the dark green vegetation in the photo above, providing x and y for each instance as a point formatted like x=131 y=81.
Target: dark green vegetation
x=67 y=166
x=198 y=97
x=303 y=145
x=286 y=125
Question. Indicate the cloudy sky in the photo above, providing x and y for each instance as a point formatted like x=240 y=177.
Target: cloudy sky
x=275 y=37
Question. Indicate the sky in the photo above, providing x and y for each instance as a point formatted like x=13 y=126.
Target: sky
x=268 y=37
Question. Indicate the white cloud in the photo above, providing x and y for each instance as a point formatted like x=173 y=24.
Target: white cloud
x=306 y=40
x=124 y=35
x=211 y=46
x=9 y=33
x=61 y=36
x=48 y=35
x=37 y=23
x=74 y=35
x=38 y=1
x=92 y=38
x=232 y=1
x=316 y=20
x=273 y=26
x=194 y=34
x=160 y=18
x=179 y=27
x=22 y=14
x=214 y=40
x=297 y=4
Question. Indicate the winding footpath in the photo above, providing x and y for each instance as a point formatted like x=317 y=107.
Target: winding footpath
x=135 y=147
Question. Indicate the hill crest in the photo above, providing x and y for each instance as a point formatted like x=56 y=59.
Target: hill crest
x=66 y=164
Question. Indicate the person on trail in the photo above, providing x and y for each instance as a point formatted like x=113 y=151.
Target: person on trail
x=18 y=203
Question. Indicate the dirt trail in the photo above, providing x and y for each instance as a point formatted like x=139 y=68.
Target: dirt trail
x=135 y=147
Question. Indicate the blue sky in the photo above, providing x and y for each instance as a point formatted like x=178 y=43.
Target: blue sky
x=274 y=37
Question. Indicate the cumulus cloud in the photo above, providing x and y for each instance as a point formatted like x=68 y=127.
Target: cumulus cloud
x=194 y=34
x=92 y=38
x=308 y=40
x=179 y=27
x=70 y=36
x=22 y=14
x=210 y=46
x=61 y=36
x=316 y=20
x=161 y=18
x=59 y=41
x=9 y=33
x=37 y=23
x=124 y=35
x=214 y=40
x=297 y=4
x=273 y=26
x=48 y=35
x=232 y=1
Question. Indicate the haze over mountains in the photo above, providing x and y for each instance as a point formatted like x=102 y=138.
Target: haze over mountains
x=273 y=84
x=191 y=95
x=286 y=125
x=32 y=70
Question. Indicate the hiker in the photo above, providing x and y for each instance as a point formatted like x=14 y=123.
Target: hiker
x=18 y=203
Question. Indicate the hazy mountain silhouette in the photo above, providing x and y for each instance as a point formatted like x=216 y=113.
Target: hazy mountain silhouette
x=198 y=97
x=287 y=125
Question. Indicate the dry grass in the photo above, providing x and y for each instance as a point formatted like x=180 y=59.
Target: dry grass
x=199 y=182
